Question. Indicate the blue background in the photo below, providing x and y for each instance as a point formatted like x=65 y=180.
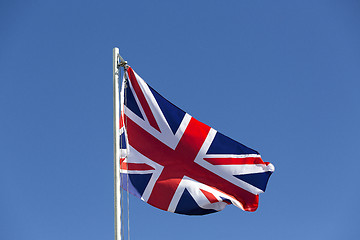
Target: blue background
x=281 y=77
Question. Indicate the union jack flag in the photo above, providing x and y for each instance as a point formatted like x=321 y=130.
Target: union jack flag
x=179 y=164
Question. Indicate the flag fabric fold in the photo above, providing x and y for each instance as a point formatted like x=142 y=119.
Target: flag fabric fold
x=176 y=163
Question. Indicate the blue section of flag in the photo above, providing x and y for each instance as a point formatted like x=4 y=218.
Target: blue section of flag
x=258 y=180
x=140 y=181
x=225 y=145
x=130 y=102
x=188 y=206
x=122 y=141
x=127 y=185
x=225 y=200
x=172 y=113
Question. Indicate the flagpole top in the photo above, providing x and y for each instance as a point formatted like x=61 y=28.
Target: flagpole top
x=120 y=61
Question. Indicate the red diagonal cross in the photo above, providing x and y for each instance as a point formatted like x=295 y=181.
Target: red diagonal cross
x=180 y=162
x=142 y=99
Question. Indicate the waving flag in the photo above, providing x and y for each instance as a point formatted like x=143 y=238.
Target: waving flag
x=179 y=164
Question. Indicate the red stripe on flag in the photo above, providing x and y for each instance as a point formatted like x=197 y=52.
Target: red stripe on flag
x=209 y=196
x=142 y=99
x=121 y=120
x=134 y=166
x=234 y=161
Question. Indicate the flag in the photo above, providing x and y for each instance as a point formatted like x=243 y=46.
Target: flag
x=178 y=164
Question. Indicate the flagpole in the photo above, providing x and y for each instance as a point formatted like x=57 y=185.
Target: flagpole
x=116 y=105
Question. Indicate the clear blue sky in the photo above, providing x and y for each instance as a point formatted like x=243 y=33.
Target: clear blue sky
x=282 y=77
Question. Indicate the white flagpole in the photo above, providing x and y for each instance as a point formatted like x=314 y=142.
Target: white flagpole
x=117 y=193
